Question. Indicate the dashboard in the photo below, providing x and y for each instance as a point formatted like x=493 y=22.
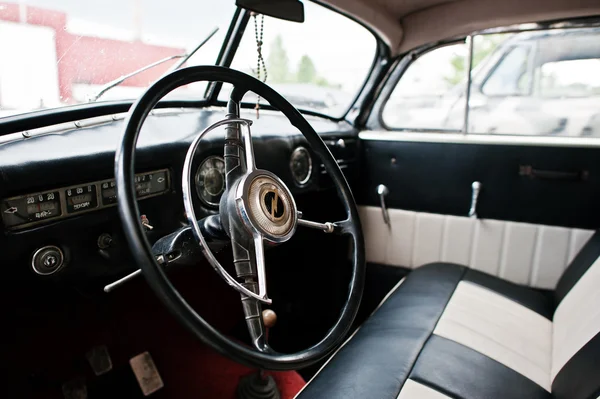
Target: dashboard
x=33 y=209
x=58 y=196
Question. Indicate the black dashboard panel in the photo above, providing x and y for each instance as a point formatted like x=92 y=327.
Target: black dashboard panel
x=59 y=158
x=37 y=208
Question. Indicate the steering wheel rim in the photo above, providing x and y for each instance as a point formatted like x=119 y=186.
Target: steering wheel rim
x=155 y=275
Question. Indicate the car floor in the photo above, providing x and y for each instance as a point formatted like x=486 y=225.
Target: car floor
x=50 y=330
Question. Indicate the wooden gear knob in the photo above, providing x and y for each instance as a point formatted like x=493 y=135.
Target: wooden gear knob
x=269 y=318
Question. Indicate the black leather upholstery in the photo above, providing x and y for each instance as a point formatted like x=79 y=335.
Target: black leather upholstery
x=580 y=378
x=580 y=264
x=397 y=343
x=378 y=360
x=462 y=372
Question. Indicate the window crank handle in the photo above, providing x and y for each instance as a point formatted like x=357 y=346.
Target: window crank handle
x=476 y=188
x=382 y=191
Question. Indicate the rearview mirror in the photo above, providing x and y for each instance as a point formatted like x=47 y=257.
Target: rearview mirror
x=290 y=10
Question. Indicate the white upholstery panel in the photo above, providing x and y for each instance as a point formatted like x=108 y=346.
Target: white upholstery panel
x=402 y=237
x=428 y=236
x=457 y=240
x=501 y=329
x=577 y=318
x=517 y=255
x=578 y=239
x=378 y=237
x=487 y=246
x=550 y=260
x=414 y=390
x=528 y=254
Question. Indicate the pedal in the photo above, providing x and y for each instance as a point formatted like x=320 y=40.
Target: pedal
x=146 y=373
x=99 y=359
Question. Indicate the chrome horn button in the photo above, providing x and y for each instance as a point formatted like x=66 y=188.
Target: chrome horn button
x=267 y=206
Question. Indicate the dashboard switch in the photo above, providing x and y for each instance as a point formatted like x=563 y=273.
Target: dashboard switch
x=146 y=223
x=104 y=241
x=47 y=260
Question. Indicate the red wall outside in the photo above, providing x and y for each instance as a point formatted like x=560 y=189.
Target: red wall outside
x=93 y=60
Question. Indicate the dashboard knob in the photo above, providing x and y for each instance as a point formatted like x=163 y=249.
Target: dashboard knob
x=104 y=241
x=47 y=260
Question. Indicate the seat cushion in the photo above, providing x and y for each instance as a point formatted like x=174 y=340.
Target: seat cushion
x=446 y=332
x=500 y=329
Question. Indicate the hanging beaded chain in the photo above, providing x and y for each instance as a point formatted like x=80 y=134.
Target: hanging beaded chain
x=260 y=61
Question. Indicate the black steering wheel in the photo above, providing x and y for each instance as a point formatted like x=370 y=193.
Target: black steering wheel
x=256 y=209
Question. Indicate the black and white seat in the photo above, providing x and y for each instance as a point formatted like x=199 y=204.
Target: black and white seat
x=449 y=331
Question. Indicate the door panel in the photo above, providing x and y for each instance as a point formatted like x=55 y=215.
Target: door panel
x=534 y=255
x=436 y=177
x=529 y=228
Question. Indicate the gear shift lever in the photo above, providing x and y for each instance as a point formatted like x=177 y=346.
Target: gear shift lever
x=259 y=385
x=269 y=318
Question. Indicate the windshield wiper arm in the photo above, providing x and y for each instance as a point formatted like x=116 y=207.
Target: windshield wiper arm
x=187 y=56
x=183 y=59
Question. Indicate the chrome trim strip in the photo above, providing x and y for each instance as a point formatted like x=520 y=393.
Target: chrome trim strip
x=83 y=123
x=484 y=139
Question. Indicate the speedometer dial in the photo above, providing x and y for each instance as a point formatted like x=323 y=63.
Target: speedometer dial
x=210 y=180
x=301 y=165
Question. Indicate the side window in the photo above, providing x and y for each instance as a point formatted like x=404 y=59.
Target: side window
x=429 y=90
x=543 y=83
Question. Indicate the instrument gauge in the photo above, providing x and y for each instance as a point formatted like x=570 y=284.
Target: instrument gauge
x=301 y=166
x=210 y=180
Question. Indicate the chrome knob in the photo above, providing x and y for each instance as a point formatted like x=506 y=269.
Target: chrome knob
x=47 y=260
x=50 y=261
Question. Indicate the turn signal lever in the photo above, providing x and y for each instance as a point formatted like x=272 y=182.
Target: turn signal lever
x=181 y=247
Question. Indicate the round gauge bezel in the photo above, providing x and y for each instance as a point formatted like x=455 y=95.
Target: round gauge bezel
x=296 y=151
x=200 y=190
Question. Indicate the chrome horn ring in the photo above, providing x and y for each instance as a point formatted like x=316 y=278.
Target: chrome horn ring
x=191 y=213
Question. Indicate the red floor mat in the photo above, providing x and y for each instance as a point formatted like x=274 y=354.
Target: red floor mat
x=47 y=343
x=203 y=373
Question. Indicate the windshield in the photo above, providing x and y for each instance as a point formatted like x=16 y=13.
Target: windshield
x=319 y=65
x=62 y=52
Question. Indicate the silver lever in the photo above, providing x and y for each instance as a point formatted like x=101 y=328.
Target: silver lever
x=382 y=191
x=475 y=187
x=110 y=287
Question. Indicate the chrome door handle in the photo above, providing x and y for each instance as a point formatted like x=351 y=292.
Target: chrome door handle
x=382 y=191
x=475 y=189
